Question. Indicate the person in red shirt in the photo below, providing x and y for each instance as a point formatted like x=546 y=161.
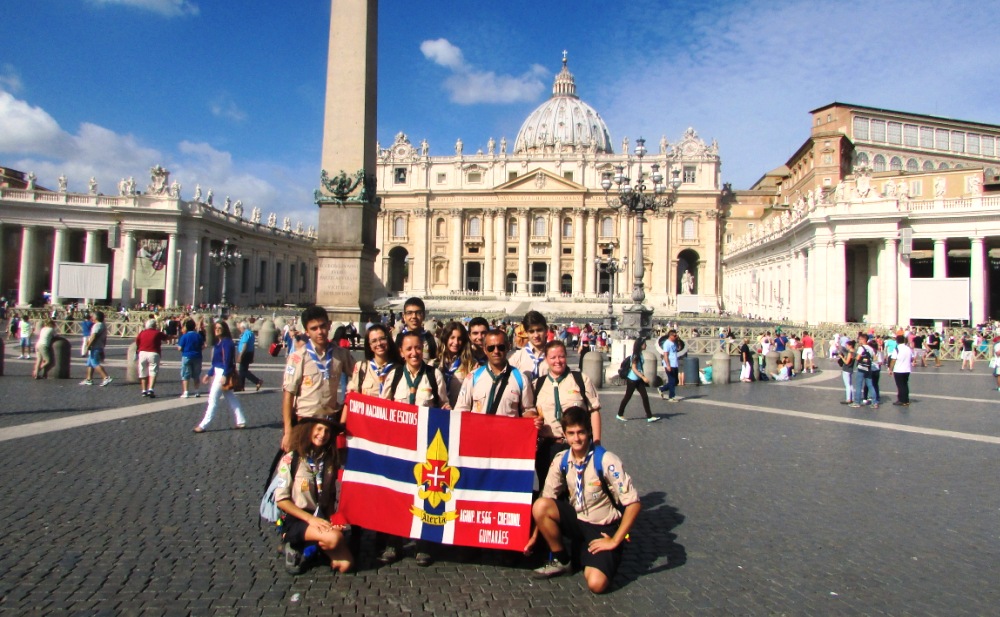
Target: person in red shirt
x=148 y=344
x=807 y=353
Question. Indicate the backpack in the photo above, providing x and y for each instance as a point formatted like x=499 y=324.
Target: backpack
x=269 y=510
x=500 y=389
x=625 y=367
x=599 y=467
x=577 y=377
x=397 y=376
x=864 y=360
x=661 y=340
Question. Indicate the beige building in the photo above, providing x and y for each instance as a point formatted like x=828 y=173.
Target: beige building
x=873 y=200
x=528 y=218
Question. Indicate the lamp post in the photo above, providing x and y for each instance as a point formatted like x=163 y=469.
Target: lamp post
x=637 y=320
x=611 y=267
x=226 y=257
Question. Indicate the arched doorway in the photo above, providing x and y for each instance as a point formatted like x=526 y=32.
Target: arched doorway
x=687 y=261
x=398 y=269
x=511 y=285
x=473 y=275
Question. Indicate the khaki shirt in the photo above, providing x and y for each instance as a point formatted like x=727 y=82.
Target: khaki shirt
x=475 y=393
x=424 y=393
x=522 y=361
x=299 y=490
x=372 y=385
x=569 y=396
x=597 y=509
x=316 y=396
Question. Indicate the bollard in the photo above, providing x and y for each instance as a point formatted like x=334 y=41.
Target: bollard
x=771 y=362
x=797 y=359
x=593 y=367
x=132 y=364
x=692 y=376
x=2 y=354
x=755 y=367
x=209 y=333
x=721 y=365
x=267 y=334
x=279 y=323
x=62 y=351
x=651 y=366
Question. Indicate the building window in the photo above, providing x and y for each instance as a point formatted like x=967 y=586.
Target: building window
x=941 y=139
x=689 y=229
x=860 y=128
x=879 y=163
x=987 y=145
x=277 y=277
x=539 y=228
x=475 y=227
x=568 y=175
x=399 y=227
x=928 y=165
x=957 y=142
x=291 y=278
x=567 y=250
x=878 y=130
x=895 y=133
x=926 y=137
x=943 y=166
x=512 y=250
x=302 y=277
x=972 y=144
x=729 y=238
x=442 y=178
x=473 y=250
x=910 y=135
x=988 y=173
x=262 y=276
x=912 y=165
x=689 y=174
x=511 y=175
x=862 y=159
x=828 y=159
x=245 y=278
x=512 y=228
x=607 y=227
x=439 y=228
x=916 y=188
x=475 y=177
x=896 y=163
x=399 y=175
x=567 y=228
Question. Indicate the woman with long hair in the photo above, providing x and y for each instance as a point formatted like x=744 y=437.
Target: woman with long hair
x=846 y=358
x=308 y=498
x=381 y=355
x=455 y=358
x=223 y=365
x=637 y=380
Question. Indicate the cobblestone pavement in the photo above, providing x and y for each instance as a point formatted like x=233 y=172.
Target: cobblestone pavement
x=762 y=499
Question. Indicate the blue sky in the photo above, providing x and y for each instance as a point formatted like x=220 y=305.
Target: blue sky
x=230 y=95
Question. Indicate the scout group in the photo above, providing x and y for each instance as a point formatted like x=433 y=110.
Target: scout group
x=466 y=370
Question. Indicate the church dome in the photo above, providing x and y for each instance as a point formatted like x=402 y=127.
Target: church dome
x=563 y=123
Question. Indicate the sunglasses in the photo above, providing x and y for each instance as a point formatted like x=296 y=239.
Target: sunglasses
x=496 y=348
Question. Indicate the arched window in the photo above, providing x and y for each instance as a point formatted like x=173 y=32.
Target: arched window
x=928 y=166
x=879 y=163
x=607 y=227
x=862 y=159
x=475 y=228
x=439 y=228
x=896 y=163
x=989 y=172
x=511 y=228
x=539 y=227
x=912 y=165
x=567 y=228
x=943 y=166
x=399 y=227
x=689 y=229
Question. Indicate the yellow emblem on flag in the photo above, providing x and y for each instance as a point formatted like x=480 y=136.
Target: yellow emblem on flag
x=435 y=479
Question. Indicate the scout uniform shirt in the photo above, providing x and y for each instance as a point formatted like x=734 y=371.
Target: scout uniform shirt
x=569 y=396
x=530 y=362
x=423 y=395
x=304 y=489
x=374 y=378
x=517 y=397
x=317 y=396
x=595 y=507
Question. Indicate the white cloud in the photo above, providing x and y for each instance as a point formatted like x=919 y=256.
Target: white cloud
x=223 y=106
x=27 y=129
x=10 y=80
x=167 y=8
x=468 y=85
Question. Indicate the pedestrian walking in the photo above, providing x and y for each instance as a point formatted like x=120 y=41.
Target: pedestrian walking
x=43 y=350
x=637 y=380
x=244 y=355
x=223 y=367
x=900 y=366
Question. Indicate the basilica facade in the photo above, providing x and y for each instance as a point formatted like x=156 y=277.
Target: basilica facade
x=529 y=218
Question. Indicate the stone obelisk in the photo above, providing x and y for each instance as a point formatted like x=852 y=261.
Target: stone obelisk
x=345 y=249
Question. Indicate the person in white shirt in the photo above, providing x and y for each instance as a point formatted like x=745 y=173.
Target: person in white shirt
x=900 y=365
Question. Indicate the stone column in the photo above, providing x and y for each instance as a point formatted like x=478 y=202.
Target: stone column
x=977 y=281
x=589 y=272
x=129 y=274
x=91 y=252
x=455 y=260
x=940 y=258
x=170 y=288
x=579 y=246
x=903 y=284
x=874 y=308
x=500 y=264
x=346 y=246
x=489 y=222
x=658 y=253
x=421 y=258
x=58 y=254
x=837 y=284
x=555 y=268
x=26 y=283
x=523 y=224
x=888 y=275
x=625 y=239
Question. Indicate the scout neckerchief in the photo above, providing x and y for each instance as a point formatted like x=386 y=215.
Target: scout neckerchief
x=537 y=360
x=580 y=468
x=316 y=468
x=380 y=373
x=412 y=383
x=493 y=386
x=324 y=366
x=450 y=371
x=555 y=392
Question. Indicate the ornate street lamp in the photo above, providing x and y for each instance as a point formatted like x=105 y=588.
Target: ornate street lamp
x=637 y=320
x=226 y=257
x=611 y=267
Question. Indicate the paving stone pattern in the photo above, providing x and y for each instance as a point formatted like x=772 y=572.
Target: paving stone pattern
x=744 y=513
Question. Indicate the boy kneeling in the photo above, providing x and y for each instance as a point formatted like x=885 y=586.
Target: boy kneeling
x=600 y=511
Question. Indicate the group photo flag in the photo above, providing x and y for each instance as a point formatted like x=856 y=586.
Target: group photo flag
x=438 y=475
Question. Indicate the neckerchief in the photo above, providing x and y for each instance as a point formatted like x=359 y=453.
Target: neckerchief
x=379 y=373
x=493 y=387
x=324 y=366
x=412 y=383
x=536 y=359
x=580 y=468
x=450 y=371
x=317 y=484
x=555 y=393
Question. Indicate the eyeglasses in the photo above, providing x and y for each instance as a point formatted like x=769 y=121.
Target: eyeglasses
x=376 y=341
x=413 y=313
x=496 y=348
